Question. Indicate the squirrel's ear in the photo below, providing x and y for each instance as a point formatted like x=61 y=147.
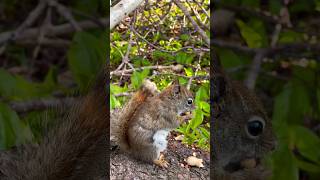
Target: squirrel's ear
x=176 y=87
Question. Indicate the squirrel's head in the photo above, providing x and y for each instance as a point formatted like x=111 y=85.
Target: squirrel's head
x=179 y=98
x=242 y=133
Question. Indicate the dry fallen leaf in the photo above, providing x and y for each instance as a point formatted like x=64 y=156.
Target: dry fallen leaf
x=193 y=161
x=179 y=138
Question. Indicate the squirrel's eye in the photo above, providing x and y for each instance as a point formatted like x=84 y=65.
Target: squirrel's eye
x=190 y=101
x=255 y=126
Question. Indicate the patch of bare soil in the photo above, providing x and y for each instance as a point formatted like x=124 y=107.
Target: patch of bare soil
x=124 y=167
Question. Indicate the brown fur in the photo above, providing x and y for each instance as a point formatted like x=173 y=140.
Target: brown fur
x=73 y=149
x=231 y=142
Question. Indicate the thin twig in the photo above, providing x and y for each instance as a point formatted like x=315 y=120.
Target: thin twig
x=279 y=49
x=202 y=8
x=43 y=29
x=197 y=27
x=275 y=35
x=138 y=69
x=65 y=12
x=254 y=70
x=195 y=12
x=196 y=72
x=32 y=17
x=41 y=104
x=56 y=43
x=57 y=30
x=123 y=94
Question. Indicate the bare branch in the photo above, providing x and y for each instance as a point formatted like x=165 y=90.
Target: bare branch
x=67 y=28
x=41 y=104
x=122 y=9
x=65 y=12
x=279 y=49
x=193 y=22
x=254 y=70
x=121 y=72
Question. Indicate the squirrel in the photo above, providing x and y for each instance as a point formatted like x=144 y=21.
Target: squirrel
x=242 y=131
x=75 y=148
x=143 y=124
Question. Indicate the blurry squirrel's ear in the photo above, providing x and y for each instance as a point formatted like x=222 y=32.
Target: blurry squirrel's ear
x=176 y=86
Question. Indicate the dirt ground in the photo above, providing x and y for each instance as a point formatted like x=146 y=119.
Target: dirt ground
x=124 y=167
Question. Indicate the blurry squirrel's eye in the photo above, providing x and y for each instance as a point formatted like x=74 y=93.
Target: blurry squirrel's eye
x=190 y=101
x=255 y=126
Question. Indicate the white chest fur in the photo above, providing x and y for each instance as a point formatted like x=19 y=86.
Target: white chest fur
x=160 y=140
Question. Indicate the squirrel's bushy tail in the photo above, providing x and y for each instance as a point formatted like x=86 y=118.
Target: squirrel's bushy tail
x=74 y=149
x=121 y=121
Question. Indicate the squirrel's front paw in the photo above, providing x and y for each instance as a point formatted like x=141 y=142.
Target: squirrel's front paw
x=161 y=161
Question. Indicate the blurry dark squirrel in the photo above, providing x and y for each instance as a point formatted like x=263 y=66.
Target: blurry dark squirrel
x=75 y=148
x=142 y=126
x=242 y=130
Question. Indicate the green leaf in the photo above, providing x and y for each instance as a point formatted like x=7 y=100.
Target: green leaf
x=290 y=106
x=289 y=36
x=205 y=132
x=188 y=71
x=159 y=55
x=306 y=166
x=182 y=129
x=182 y=81
x=156 y=37
x=307 y=143
x=50 y=82
x=184 y=58
x=138 y=77
x=230 y=59
x=300 y=6
x=250 y=35
x=7 y=84
x=17 y=88
x=197 y=120
x=202 y=94
x=114 y=89
x=114 y=102
x=115 y=36
x=205 y=106
x=140 y=61
x=275 y=6
x=184 y=37
x=317 y=5
x=12 y=130
x=86 y=57
x=283 y=165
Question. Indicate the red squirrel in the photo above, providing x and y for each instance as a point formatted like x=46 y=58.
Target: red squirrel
x=243 y=132
x=142 y=126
